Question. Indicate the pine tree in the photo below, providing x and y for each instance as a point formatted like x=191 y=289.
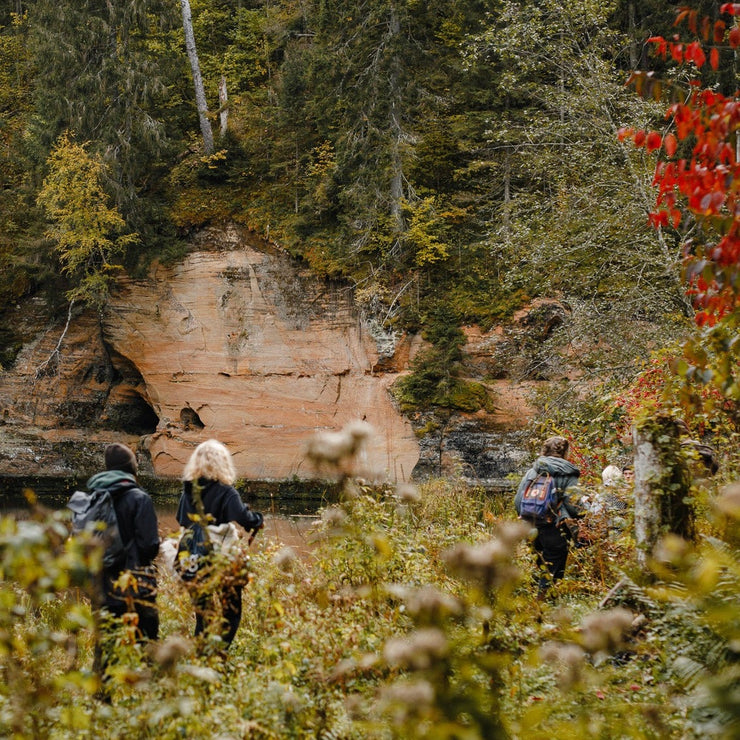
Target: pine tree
x=97 y=76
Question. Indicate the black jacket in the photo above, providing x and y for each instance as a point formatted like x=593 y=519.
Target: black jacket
x=137 y=523
x=137 y=520
x=221 y=501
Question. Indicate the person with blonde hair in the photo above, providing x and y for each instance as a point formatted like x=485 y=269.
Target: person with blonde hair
x=610 y=502
x=211 y=469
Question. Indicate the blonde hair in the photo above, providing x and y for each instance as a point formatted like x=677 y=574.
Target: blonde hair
x=611 y=474
x=210 y=460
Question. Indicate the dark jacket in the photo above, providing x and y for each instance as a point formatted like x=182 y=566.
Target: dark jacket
x=221 y=501
x=566 y=476
x=137 y=523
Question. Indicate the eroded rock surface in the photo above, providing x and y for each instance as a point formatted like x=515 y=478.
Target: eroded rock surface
x=238 y=342
x=233 y=343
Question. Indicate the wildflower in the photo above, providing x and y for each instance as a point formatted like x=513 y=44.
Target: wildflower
x=285 y=558
x=605 y=631
x=407 y=700
x=431 y=603
x=492 y=563
x=512 y=533
x=408 y=493
x=418 y=651
x=169 y=652
x=570 y=659
x=332 y=448
x=333 y=517
x=728 y=502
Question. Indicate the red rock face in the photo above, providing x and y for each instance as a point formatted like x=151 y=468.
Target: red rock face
x=233 y=343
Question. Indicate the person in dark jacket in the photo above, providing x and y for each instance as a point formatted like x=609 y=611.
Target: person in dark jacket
x=554 y=533
x=137 y=524
x=212 y=468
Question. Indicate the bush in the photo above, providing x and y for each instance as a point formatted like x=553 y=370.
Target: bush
x=414 y=616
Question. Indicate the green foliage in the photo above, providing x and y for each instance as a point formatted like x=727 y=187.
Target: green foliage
x=87 y=233
x=416 y=149
x=43 y=636
x=413 y=616
x=435 y=378
x=708 y=369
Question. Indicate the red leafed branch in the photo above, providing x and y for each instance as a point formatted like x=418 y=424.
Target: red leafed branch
x=704 y=179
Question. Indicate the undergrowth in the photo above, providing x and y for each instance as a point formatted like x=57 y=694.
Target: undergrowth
x=414 y=616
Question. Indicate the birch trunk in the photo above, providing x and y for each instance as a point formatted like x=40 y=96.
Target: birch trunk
x=647 y=506
x=662 y=486
x=396 y=189
x=200 y=94
x=223 y=100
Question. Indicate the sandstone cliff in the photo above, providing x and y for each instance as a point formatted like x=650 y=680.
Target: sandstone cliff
x=238 y=342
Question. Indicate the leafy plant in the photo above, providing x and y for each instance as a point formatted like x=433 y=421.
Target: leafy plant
x=88 y=233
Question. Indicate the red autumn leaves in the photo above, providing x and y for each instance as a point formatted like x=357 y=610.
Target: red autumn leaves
x=702 y=183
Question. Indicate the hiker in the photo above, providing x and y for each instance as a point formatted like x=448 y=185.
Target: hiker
x=555 y=528
x=137 y=524
x=211 y=469
x=610 y=503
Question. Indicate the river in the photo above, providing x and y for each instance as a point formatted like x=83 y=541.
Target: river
x=289 y=512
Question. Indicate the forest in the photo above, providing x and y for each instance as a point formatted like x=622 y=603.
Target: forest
x=451 y=162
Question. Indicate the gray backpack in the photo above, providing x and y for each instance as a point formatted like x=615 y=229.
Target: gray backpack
x=94 y=512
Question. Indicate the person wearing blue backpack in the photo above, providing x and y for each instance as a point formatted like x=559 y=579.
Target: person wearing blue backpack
x=210 y=470
x=548 y=498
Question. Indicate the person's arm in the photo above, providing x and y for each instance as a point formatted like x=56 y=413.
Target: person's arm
x=572 y=502
x=235 y=510
x=146 y=531
x=183 y=511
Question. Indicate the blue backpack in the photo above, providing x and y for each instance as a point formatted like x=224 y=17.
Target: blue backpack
x=540 y=498
x=193 y=551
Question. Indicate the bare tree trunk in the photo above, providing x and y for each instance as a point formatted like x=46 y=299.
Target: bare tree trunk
x=200 y=94
x=394 y=28
x=662 y=485
x=634 y=56
x=223 y=101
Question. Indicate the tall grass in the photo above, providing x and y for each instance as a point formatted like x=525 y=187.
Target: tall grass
x=414 y=616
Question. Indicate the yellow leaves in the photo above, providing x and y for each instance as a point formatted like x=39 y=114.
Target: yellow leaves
x=322 y=159
x=381 y=545
x=423 y=232
x=75 y=718
x=87 y=232
x=213 y=161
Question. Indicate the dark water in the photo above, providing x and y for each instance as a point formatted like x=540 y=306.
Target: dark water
x=290 y=508
x=292 y=498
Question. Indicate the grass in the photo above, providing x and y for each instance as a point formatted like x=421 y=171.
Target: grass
x=414 y=617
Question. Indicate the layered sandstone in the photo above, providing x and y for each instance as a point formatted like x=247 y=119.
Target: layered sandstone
x=235 y=342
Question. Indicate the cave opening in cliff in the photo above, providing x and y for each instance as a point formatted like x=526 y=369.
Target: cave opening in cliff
x=190 y=420
x=139 y=417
